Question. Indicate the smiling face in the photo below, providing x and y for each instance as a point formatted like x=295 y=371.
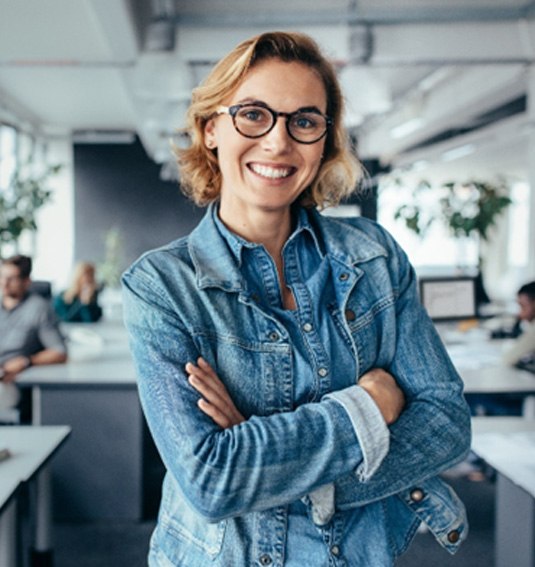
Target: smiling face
x=267 y=174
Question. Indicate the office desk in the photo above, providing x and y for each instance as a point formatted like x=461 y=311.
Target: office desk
x=31 y=448
x=478 y=361
x=508 y=445
x=95 y=392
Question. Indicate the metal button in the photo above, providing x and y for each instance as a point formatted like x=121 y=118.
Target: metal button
x=323 y=372
x=335 y=550
x=344 y=276
x=307 y=327
x=454 y=536
x=265 y=559
x=273 y=336
x=417 y=495
x=350 y=315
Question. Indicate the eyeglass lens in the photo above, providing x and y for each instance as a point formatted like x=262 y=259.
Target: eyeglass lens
x=255 y=121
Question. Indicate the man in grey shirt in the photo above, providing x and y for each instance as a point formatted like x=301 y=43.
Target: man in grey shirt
x=29 y=332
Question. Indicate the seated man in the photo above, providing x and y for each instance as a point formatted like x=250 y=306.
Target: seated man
x=524 y=346
x=29 y=333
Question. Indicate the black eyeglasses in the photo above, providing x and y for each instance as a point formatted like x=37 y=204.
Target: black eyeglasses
x=306 y=125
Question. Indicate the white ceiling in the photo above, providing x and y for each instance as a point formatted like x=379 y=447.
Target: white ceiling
x=85 y=67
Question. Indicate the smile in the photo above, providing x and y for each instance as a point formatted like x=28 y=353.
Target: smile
x=271 y=172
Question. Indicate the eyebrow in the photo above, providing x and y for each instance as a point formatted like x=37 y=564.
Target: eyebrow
x=258 y=102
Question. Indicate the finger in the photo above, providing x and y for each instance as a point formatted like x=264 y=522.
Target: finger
x=223 y=411
x=208 y=376
x=221 y=402
x=208 y=384
x=215 y=414
x=205 y=388
x=205 y=380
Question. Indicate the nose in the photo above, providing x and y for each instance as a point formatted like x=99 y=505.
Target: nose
x=277 y=140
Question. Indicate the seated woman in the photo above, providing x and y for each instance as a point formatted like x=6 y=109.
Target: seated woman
x=79 y=303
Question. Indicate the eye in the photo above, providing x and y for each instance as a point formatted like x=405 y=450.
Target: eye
x=306 y=121
x=254 y=114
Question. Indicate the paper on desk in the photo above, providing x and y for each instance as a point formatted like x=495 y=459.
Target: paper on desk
x=474 y=356
x=512 y=454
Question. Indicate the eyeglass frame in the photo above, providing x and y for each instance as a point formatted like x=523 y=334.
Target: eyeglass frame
x=232 y=111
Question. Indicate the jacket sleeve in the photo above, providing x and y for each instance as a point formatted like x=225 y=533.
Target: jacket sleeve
x=433 y=431
x=261 y=463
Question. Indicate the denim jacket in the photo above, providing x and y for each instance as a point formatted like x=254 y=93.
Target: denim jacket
x=226 y=493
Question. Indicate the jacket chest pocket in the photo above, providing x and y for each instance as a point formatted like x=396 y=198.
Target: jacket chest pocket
x=257 y=374
x=372 y=328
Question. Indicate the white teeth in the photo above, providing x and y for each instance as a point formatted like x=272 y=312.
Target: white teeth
x=271 y=172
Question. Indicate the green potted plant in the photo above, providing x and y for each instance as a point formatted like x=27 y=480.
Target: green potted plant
x=21 y=199
x=468 y=209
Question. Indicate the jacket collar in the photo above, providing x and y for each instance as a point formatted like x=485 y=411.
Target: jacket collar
x=217 y=261
x=345 y=240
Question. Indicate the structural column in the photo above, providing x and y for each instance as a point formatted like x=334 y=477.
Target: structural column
x=531 y=170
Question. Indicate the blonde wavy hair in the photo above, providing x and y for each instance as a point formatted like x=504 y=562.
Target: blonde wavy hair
x=82 y=272
x=200 y=176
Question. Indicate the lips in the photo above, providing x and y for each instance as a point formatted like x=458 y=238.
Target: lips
x=271 y=172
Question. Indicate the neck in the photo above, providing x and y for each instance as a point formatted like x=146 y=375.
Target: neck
x=270 y=228
x=10 y=303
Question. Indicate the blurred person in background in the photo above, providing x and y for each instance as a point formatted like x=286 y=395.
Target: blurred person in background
x=29 y=332
x=523 y=348
x=79 y=303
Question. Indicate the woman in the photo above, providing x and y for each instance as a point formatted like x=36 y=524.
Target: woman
x=250 y=336
x=79 y=303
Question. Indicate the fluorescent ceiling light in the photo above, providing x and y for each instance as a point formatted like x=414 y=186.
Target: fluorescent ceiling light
x=406 y=128
x=419 y=165
x=458 y=152
x=103 y=137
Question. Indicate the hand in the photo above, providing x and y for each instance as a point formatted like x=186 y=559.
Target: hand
x=13 y=366
x=216 y=402
x=86 y=294
x=385 y=392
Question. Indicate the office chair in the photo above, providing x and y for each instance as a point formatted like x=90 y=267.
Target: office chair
x=42 y=288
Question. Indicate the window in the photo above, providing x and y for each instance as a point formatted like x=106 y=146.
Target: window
x=8 y=154
x=519 y=220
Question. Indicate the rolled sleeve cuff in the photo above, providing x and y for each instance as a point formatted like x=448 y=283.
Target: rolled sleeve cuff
x=370 y=428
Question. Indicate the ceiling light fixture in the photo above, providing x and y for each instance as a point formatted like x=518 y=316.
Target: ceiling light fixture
x=458 y=152
x=406 y=128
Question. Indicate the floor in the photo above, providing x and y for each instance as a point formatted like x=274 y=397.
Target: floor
x=125 y=544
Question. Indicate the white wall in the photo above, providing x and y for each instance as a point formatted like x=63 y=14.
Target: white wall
x=54 y=242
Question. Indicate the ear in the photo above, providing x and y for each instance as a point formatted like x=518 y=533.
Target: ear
x=209 y=135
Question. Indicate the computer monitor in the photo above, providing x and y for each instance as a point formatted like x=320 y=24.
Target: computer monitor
x=449 y=298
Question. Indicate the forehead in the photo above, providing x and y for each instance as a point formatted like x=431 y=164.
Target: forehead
x=282 y=84
x=9 y=270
